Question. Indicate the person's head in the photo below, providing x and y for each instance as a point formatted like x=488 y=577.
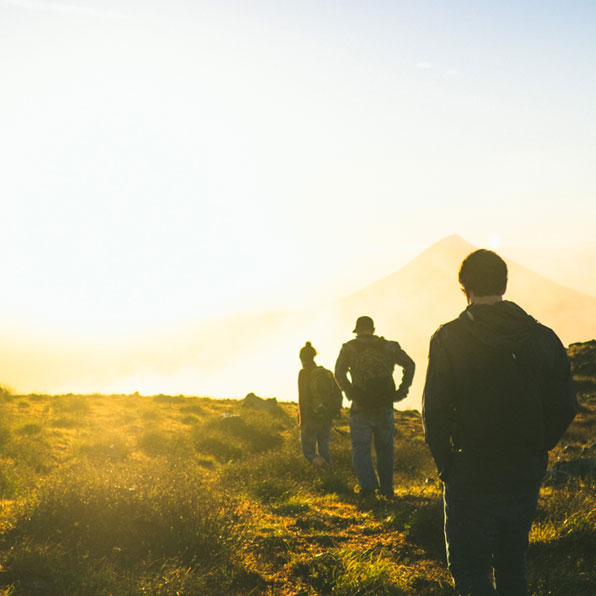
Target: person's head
x=483 y=273
x=307 y=353
x=364 y=326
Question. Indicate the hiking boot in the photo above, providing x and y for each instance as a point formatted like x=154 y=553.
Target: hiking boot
x=387 y=494
x=367 y=495
x=319 y=462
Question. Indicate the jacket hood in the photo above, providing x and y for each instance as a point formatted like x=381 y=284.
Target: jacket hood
x=503 y=325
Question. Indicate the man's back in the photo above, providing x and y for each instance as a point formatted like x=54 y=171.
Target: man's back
x=370 y=360
x=498 y=396
x=502 y=383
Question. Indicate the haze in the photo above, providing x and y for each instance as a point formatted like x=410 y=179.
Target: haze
x=168 y=167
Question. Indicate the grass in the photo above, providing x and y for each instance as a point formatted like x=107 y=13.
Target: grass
x=174 y=496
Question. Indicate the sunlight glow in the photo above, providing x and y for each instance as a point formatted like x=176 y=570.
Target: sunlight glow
x=169 y=166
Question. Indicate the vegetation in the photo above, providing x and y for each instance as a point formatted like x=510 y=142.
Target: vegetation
x=164 y=495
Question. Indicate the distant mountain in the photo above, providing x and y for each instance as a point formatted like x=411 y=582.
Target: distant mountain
x=426 y=292
x=411 y=303
x=232 y=356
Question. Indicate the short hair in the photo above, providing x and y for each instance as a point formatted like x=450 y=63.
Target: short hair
x=484 y=273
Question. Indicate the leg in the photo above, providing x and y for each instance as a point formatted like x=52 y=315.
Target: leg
x=512 y=545
x=308 y=439
x=323 y=436
x=361 y=437
x=383 y=436
x=470 y=533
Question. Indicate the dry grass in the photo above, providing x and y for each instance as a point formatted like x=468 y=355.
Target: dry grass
x=166 y=495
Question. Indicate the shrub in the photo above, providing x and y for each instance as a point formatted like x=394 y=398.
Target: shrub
x=32 y=428
x=108 y=449
x=130 y=514
x=4 y=434
x=72 y=404
x=169 y=399
x=156 y=442
x=413 y=459
x=65 y=422
x=8 y=483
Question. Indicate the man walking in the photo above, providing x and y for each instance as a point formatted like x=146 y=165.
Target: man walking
x=370 y=360
x=498 y=396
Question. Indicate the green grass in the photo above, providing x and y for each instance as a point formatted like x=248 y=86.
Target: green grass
x=174 y=496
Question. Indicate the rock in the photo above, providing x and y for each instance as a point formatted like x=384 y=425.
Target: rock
x=581 y=467
x=583 y=358
x=259 y=403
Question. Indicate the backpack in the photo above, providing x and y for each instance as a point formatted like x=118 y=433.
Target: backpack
x=326 y=394
x=372 y=374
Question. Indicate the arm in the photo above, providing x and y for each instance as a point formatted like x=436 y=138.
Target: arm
x=302 y=396
x=341 y=372
x=403 y=360
x=437 y=407
x=560 y=405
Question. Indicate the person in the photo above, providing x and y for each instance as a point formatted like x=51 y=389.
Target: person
x=313 y=419
x=370 y=360
x=498 y=395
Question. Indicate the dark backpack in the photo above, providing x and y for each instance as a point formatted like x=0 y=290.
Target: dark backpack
x=372 y=374
x=326 y=394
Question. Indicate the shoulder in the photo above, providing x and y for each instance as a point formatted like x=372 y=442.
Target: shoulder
x=549 y=342
x=546 y=333
x=391 y=345
x=349 y=346
x=446 y=331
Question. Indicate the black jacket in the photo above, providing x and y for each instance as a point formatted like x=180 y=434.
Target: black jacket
x=498 y=392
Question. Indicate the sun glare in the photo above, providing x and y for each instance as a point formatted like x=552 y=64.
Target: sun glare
x=495 y=242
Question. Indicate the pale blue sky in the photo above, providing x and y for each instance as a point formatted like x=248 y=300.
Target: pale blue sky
x=164 y=161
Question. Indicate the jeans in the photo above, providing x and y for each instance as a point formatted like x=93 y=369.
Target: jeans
x=486 y=534
x=366 y=426
x=314 y=436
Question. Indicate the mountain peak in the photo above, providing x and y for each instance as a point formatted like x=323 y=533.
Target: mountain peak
x=452 y=242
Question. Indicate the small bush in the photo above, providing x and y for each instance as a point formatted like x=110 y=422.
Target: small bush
x=169 y=399
x=220 y=448
x=5 y=434
x=65 y=422
x=190 y=420
x=33 y=428
x=193 y=408
x=109 y=449
x=8 y=483
x=156 y=442
x=75 y=405
x=413 y=459
x=34 y=452
x=130 y=514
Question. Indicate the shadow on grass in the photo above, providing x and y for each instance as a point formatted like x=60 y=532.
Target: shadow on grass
x=418 y=518
x=546 y=571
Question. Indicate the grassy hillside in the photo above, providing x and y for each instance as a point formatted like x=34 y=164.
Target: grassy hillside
x=130 y=495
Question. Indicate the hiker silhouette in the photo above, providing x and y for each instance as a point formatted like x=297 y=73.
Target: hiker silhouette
x=498 y=396
x=319 y=401
x=370 y=361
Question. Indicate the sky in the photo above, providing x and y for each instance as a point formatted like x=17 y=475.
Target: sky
x=168 y=162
